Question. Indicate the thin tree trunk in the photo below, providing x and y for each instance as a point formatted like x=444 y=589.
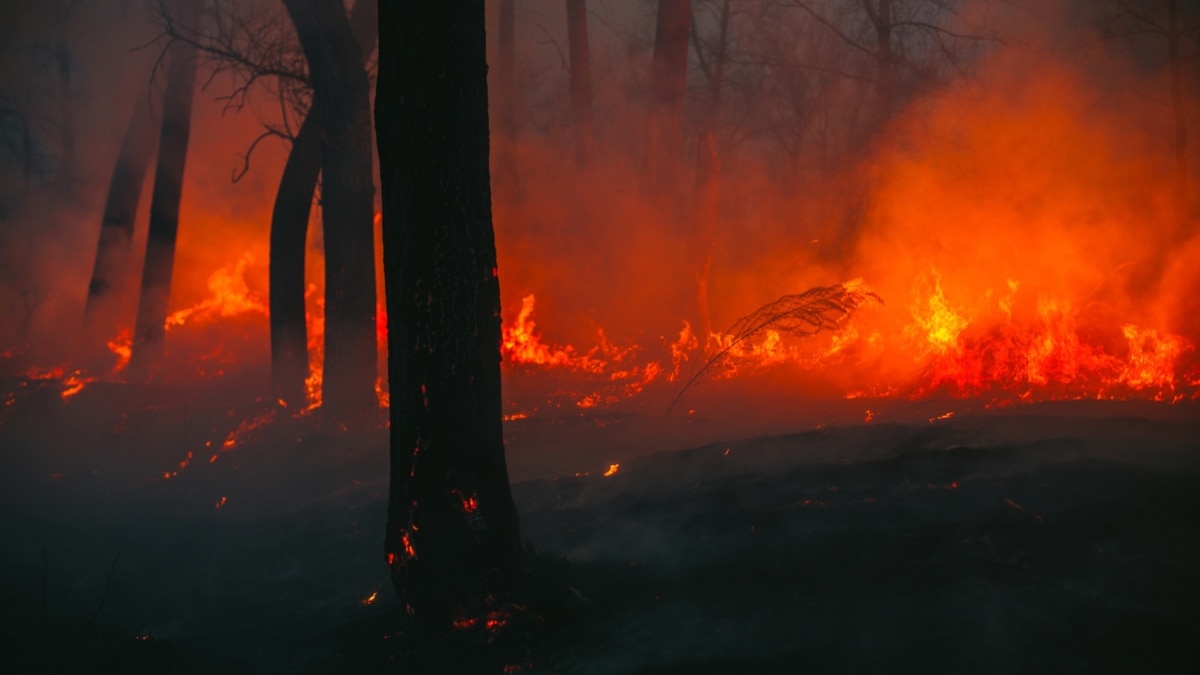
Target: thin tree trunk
x=506 y=69
x=581 y=79
x=289 y=234
x=885 y=67
x=506 y=181
x=110 y=274
x=341 y=100
x=164 y=208
x=669 y=79
x=452 y=537
x=708 y=177
x=1177 y=107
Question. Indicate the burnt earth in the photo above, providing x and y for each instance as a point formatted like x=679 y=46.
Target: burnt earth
x=1018 y=543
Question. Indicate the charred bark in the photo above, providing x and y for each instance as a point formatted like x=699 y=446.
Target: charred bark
x=164 y=207
x=289 y=234
x=110 y=272
x=669 y=78
x=452 y=540
x=581 y=79
x=341 y=103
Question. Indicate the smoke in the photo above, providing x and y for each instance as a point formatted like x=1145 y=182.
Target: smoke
x=1025 y=170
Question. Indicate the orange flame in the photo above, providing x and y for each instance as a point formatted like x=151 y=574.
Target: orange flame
x=229 y=295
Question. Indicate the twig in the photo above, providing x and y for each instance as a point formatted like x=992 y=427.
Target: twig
x=45 y=571
x=104 y=596
x=562 y=58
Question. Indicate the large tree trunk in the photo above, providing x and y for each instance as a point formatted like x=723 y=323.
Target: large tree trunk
x=452 y=535
x=341 y=101
x=289 y=234
x=164 y=207
x=110 y=274
x=581 y=79
x=669 y=78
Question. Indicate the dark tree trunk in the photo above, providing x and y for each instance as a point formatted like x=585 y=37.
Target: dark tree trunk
x=289 y=234
x=1180 y=114
x=669 y=79
x=708 y=172
x=110 y=274
x=164 y=208
x=506 y=181
x=581 y=79
x=885 y=66
x=341 y=101
x=506 y=69
x=452 y=535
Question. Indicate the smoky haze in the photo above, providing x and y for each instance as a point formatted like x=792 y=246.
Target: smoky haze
x=1007 y=171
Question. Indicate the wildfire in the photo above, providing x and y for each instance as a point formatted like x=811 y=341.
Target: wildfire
x=229 y=295
x=122 y=346
x=612 y=470
x=937 y=322
x=522 y=345
x=1151 y=363
x=73 y=384
x=243 y=430
x=315 y=318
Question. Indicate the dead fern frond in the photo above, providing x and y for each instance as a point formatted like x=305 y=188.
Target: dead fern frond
x=799 y=315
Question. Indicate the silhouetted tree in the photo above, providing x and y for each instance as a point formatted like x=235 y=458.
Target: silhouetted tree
x=581 y=79
x=110 y=272
x=341 y=101
x=452 y=533
x=289 y=232
x=669 y=78
x=164 y=205
x=1170 y=23
x=895 y=33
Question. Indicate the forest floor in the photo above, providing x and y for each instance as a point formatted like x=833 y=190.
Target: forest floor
x=1046 y=539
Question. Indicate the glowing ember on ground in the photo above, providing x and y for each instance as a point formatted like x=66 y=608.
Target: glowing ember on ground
x=73 y=384
x=243 y=429
x=612 y=470
x=370 y=599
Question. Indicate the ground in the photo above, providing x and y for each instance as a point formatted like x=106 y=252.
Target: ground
x=1045 y=539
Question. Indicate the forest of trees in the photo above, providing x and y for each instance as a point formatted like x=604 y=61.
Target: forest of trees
x=683 y=95
x=804 y=86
